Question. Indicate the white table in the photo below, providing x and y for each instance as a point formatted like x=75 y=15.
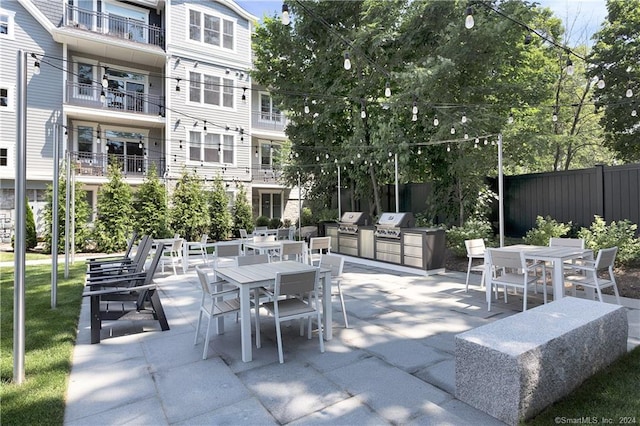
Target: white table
x=250 y=277
x=555 y=255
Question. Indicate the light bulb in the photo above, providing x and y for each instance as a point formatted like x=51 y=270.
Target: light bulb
x=634 y=113
x=570 y=69
x=317 y=158
x=414 y=117
x=629 y=93
x=414 y=110
x=347 y=62
x=358 y=155
x=436 y=121
x=105 y=81
x=510 y=120
x=363 y=113
x=463 y=120
x=36 y=68
x=285 y=18
x=554 y=118
x=306 y=109
x=326 y=156
x=453 y=130
x=387 y=90
x=466 y=135
x=448 y=148
x=469 y=22
x=419 y=151
x=601 y=83
x=102 y=96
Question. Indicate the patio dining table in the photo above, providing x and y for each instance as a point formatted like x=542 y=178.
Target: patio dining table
x=555 y=255
x=250 y=277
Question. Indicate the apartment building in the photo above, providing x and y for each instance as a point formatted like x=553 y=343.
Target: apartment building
x=143 y=84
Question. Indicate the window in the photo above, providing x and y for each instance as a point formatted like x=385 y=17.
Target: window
x=268 y=111
x=4 y=157
x=269 y=155
x=271 y=204
x=4 y=97
x=215 y=149
x=211 y=90
x=85 y=139
x=194 y=87
x=210 y=29
x=85 y=80
x=6 y=23
x=126 y=90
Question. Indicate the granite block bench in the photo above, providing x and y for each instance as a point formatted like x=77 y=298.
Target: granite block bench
x=516 y=366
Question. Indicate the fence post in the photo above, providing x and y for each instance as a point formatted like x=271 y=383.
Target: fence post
x=600 y=192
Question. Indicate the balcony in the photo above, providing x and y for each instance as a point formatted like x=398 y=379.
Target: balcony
x=270 y=121
x=265 y=175
x=118 y=100
x=113 y=25
x=95 y=164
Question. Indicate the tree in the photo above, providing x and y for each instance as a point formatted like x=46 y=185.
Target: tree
x=150 y=207
x=113 y=222
x=220 y=218
x=614 y=63
x=31 y=239
x=189 y=213
x=242 y=215
x=81 y=216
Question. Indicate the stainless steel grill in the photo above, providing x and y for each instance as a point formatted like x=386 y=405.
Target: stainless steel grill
x=350 y=221
x=390 y=224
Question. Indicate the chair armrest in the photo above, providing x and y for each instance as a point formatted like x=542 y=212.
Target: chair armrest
x=117 y=290
x=584 y=266
x=116 y=279
x=112 y=269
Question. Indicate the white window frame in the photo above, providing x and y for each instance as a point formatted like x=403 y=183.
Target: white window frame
x=272 y=194
x=143 y=73
x=271 y=113
x=226 y=87
x=261 y=144
x=96 y=73
x=222 y=18
x=9 y=154
x=10 y=21
x=10 y=98
x=221 y=148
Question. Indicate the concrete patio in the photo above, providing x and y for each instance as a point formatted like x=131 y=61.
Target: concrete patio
x=395 y=365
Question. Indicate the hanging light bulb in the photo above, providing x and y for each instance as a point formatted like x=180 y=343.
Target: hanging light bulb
x=317 y=158
x=469 y=22
x=486 y=141
x=177 y=84
x=347 y=61
x=475 y=145
x=244 y=94
x=419 y=151
x=256 y=153
x=205 y=127
x=285 y=18
x=105 y=78
x=414 y=110
x=387 y=90
x=306 y=108
x=466 y=135
x=326 y=156
x=363 y=113
x=634 y=112
x=554 y=117
x=99 y=135
x=570 y=68
x=448 y=148
x=102 y=96
x=510 y=120
x=463 y=120
x=358 y=155
x=453 y=130
x=601 y=83
x=629 y=92
x=414 y=117
x=36 y=67
x=436 y=121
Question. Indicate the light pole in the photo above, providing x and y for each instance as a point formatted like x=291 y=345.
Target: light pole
x=339 y=194
x=396 y=174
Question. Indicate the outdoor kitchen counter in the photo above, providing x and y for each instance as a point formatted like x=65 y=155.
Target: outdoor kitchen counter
x=422 y=248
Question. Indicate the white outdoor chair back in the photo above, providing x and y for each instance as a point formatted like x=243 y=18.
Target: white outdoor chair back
x=292 y=250
x=252 y=259
x=263 y=238
x=336 y=264
x=317 y=247
x=590 y=273
x=475 y=250
x=566 y=242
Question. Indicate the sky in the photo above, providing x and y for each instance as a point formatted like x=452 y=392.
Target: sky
x=581 y=18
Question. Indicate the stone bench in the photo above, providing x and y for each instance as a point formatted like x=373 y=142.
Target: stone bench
x=515 y=367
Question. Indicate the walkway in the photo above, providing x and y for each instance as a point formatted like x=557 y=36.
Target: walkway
x=395 y=365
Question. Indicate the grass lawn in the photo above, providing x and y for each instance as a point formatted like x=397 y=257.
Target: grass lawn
x=50 y=336
x=7 y=256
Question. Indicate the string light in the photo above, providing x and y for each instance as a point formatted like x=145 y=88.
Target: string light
x=363 y=112
x=510 y=119
x=36 y=64
x=103 y=97
x=347 y=61
x=105 y=78
x=463 y=120
x=629 y=93
x=436 y=121
x=244 y=94
x=570 y=68
x=453 y=130
x=469 y=22
x=306 y=106
x=387 y=90
x=601 y=83
x=99 y=135
x=448 y=148
x=285 y=18
x=554 y=117
x=178 y=84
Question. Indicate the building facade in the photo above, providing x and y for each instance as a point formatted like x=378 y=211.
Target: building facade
x=141 y=84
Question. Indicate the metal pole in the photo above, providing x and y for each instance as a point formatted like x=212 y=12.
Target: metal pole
x=72 y=215
x=500 y=192
x=299 y=210
x=54 y=216
x=20 y=222
x=66 y=215
x=396 y=172
x=339 y=195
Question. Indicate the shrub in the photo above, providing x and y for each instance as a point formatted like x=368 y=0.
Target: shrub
x=114 y=219
x=287 y=223
x=189 y=214
x=262 y=221
x=242 y=216
x=150 y=207
x=620 y=234
x=470 y=230
x=30 y=224
x=307 y=217
x=275 y=223
x=545 y=229
x=220 y=218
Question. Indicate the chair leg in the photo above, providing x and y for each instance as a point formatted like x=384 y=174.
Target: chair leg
x=195 y=341
x=279 y=337
x=468 y=273
x=344 y=310
x=206 y=339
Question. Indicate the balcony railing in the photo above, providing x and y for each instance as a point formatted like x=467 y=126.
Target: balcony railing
x=129 y=101
x=113 y=25
x=274 y=122
x=265 y=174
x=94 y=164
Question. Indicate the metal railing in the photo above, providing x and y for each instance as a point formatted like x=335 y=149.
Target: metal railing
x=268 y=121
x=96 y=164
x=113 y=25
x=122 y=100
x=265 y=174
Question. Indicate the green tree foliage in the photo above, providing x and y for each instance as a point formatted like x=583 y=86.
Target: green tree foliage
x=472 y=229
x=81 y=216
x=150 y=207
x=615 y=59
x=113 y=222
x=220 y=219
x=621 y=234
x=30 y=224
x=189 y=212
x=545 y=229
x=242 y=215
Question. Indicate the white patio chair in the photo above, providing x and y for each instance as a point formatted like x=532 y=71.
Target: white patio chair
x=214 y=304
x=174 y=254
x=336 y=264
x=511 y=270
x=591 y=273
x=226 y=253
x=317 y=247
x=475 y=250
x=295 y=297
x=292 y=250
